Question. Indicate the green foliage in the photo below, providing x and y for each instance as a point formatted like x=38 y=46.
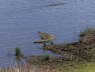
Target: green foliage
x=45 y=57
x=17 y=51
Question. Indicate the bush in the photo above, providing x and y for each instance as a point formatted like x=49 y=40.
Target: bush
x=45 y=57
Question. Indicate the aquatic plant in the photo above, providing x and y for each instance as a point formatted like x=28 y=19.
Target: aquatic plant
x=17 y=52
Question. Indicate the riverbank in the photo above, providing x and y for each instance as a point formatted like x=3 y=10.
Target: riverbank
x=75 y=57
x=53 y=64
x=84 y=49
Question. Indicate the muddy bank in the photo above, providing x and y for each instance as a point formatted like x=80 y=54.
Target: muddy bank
x=84 y=49
x=53 y=64
x=40 y=64
x=74 y=55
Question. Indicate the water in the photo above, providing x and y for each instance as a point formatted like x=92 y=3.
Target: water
x=20 y=20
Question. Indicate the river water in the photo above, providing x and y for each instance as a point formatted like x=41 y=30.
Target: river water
x=20 y=21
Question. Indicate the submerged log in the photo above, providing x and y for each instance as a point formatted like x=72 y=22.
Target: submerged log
x=56 y=4
x=42 y=41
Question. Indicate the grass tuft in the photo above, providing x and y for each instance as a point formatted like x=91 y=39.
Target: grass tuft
x=87 y=31
x=45 y=57
x=17 y=52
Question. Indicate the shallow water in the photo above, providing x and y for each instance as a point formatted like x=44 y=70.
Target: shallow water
x=20 y=20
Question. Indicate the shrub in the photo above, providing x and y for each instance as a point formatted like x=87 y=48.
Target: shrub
x=45 y=57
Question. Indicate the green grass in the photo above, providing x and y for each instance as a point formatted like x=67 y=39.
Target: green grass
x=17 y=51
x=70 y=67
x=86 y=67
x=45 y=57
x=89 y=67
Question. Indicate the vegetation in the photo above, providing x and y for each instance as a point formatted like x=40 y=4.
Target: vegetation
x=75 y=57
x=84 y=49
x=45 y=57
x=17 y=52
x=87 y=31
x=55 y=64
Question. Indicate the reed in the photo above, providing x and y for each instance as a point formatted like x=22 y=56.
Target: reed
x=17 y=52
x=19 y=68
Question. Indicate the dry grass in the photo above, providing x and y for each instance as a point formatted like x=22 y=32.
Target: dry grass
x=84 y=49
x=53 y=65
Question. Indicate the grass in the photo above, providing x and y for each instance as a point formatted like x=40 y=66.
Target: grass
x=57 y=67
x=87 y=31
x=86 y=67
x=48 y=63
x=84 y=50
x=17 y=52
x=89 y=67
x=45 y=57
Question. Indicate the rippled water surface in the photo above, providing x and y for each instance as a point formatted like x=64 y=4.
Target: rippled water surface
x=20 y=20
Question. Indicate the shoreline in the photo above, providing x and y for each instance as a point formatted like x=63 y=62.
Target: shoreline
x=76 y=56
x=83 y=49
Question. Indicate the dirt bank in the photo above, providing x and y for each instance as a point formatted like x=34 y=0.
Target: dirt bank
x=84 y=49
